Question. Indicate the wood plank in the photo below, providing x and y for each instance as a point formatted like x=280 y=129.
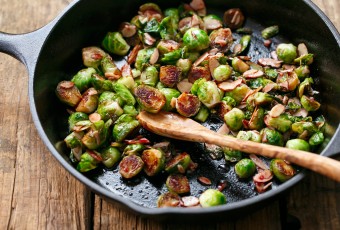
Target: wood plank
x=36 y=192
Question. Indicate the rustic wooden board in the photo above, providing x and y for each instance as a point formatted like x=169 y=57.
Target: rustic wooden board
x=37 y=193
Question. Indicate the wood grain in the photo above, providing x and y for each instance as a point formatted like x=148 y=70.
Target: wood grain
x=37 y=193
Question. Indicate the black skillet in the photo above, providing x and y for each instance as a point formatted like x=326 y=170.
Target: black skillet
x=53 y=53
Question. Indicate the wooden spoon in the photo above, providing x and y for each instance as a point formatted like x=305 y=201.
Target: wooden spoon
x=178 y=127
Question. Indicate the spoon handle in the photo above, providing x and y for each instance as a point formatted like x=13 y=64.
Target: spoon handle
x=317 y=163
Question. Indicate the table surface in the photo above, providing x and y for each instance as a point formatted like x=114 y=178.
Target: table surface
x=37 y=193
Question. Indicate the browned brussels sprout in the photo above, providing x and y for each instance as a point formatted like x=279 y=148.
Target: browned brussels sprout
x=281 y=170
x=150 y=99
x=124 y=126
x=92 y=56
x=68 y=93
x=309 y=103
x=89 y=101
x=187 y=104
x=178 y=183
x=272 y=137
x=130 y=166
x=83 y=78
x=154 y=161
x=222 y=39
x=198 y=72
x=110 y=69
x=168 y=199
x=178 y=164
x=76 y=117
x=167 y=46
x=170 y=75
x=97 y=135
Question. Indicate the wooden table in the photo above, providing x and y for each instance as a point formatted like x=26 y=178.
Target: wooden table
x=37 y=193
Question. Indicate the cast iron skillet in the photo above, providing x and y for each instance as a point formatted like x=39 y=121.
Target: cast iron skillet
x=53 y=53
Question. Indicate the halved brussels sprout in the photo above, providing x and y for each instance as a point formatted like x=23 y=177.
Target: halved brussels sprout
x=143 y=58
x=167 y=46
x=149 y=76
x=202 y=114
x=286 y=52
x=178 y=183
x=309 y=103
x=68 y=93
x=92 y=56
x=316 y=139
x=184 y=65
x=154 y=161
x=124 y=126
x=101 y=84
x=111 y=156
x=169 y=94
x=281 y=170
x=130 y=166
x=281 y=123
x=170 y=75
x=238 y=93
x=239 y=65
x=212 y=22
x=168 y=199
x=110 y=69
x=187 y=104
x=150 y=99
x=76 y=117
x=109 y=109
x=272 y=137
x=124 y=93
x=209 y=94
x=198 y=72
x=87 y=162
x=222 y=39
x=97 y=135
x=89 y=101
x=178 y=164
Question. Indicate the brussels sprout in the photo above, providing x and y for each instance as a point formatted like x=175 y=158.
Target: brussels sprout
x=68 y=93
x=222 y=39
x=244 y=42
x=209 y=94
x=298 y=144
x=73 y=140
x=258 y=82
x=139 y=21
x=196 y=39
x=286 y=52
x=167 y=46
x=150 y=99
x=256 y=121
x=249 y=136
x=259 y=98
x=109 y=109
x=172 y=57
x=115 y=43
x=168 y=199
x=212 y=197
x=97 y=135
x=234 y=119
x=202 y=114
x=127 y=81
x=151 y=26
x=168 y=27
x=222 y=73
x=178 y=164
x=76 y=117
x=83 y=78
x=270 y=31
x=212 y=22
x=149 y=76
x=303 y=127
x=150 y=6
x=133 y=149
x=110 y=69
x=184 y=65
x=272 y=137
x=124 y=94
x=170 y=75
x=197 y=72
x=305 y=59
x=130 y=166
x=192 y=56
x=178 y=183
x=302 y=71
x=127 y=29
x=100 y=83
x=111 y=156
x=238 y=93
x=281 y=170
x=239 y=65
x=124 y=126
x=143 y=58
x=229 y=101
x=173 y=14
x=87 y=163
x=89 y=101
x=154 y=161
x=281 y=123
x=232 y=155
x=92 y=56
x=196 y=85
x=309 y=103
x=271 y=73
x=169 y=94
x=245 y=168
x=316 y=139
x=131 y=110
x=187 y=104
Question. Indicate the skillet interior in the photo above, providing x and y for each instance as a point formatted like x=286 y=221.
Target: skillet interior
x=86 y=24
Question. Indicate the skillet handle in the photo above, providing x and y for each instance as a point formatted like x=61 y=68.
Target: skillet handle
x=24 y=47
